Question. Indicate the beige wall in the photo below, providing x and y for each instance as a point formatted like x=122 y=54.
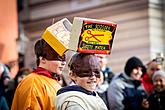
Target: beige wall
x=134 y=35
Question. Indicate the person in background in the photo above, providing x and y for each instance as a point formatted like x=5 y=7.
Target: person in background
x=38 y=89
x=125 y=92
x=85 y=73
x=4 y=81
x=3 y=102
x=152 y=66
x=5 y=77
x=106 y=75
x=22 y=73
x=157 y=98
x=5 y=86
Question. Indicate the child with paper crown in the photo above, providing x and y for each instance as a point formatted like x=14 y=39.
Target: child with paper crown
x=88 y=37
x=85 y=72
x=38 y=89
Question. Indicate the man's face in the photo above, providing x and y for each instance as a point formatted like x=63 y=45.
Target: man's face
x=152 y=67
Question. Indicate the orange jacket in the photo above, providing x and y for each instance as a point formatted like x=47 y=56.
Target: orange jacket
x=35 y=92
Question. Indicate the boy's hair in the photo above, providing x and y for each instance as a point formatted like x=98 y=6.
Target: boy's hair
x=43 y=49
x=82 y=61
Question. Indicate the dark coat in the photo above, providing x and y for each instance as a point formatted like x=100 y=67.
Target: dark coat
x=3 y=102
x=157 y=101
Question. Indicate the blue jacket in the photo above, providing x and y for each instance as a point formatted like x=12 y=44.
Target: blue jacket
x=125 y=93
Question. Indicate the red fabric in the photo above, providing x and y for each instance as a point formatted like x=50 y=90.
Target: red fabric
x=42 y=71
x=147 y=83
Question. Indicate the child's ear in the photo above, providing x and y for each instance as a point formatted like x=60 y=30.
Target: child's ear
x=42 y=60
x=72 y=76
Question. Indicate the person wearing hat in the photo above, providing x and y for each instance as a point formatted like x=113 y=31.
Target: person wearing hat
x=147 y=82
x=125 y=91
x=38 y=89
x=85 y=73
x=107 y=74
x=157 y=98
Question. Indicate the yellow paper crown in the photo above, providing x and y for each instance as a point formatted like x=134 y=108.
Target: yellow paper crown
x=58 y=36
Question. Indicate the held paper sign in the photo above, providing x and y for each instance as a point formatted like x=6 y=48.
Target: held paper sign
x=92 y=36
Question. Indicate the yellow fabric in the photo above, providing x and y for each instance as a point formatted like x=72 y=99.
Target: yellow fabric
x=35 y=92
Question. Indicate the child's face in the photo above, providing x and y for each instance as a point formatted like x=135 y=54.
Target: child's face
x=85 y=71
x=159 y=83
x=88 y=83
x=55 y=66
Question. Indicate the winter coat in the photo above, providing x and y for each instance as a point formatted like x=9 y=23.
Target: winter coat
x=77 y=98
x=3 y=102
x=157 y=101
x=125 y=93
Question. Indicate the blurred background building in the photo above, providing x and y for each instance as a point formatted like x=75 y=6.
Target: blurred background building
x=140 y=31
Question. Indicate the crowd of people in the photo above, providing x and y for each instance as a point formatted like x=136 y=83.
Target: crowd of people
x=8 y=85
x=94 y=85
